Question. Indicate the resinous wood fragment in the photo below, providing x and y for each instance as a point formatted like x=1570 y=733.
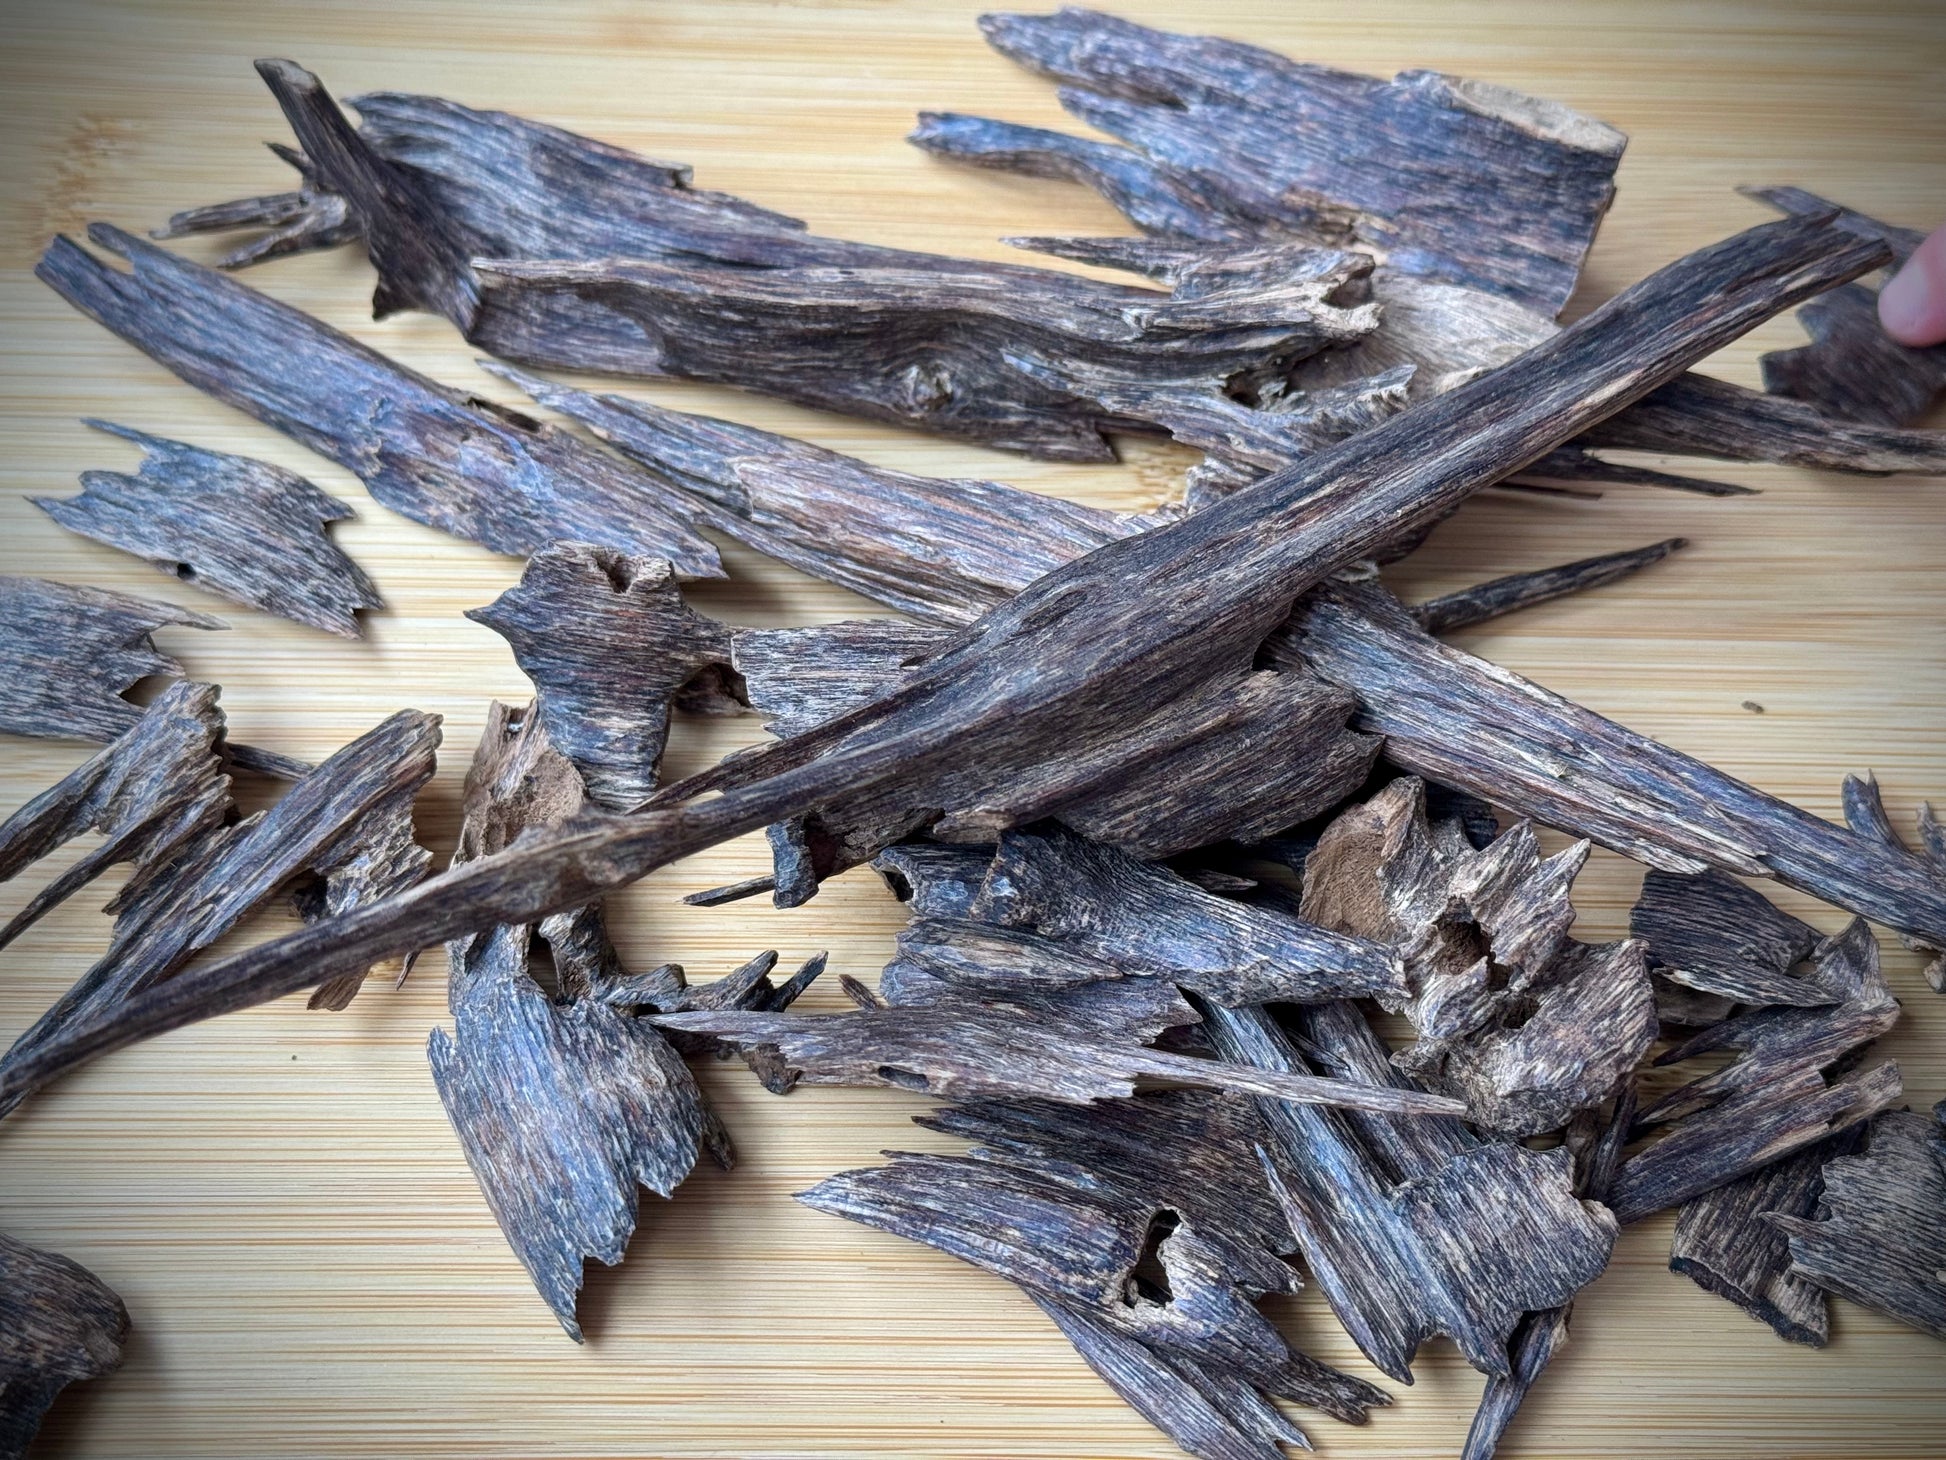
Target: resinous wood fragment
x=1524 y=1023
x=1453 y=717
x=1142 y=622
x=185 y=902
x=1145 y=920
x=295 y=222
x=452 y=461
x=1453 y=178
x=59 y=1324
x=1721 y=944
x=1852 y=369
x=564 y=1106
x=609 y=643
x=1726 y=1243
x=1454 y=611
x=1463 y=1247
x=68 y=654
x=243 y=529
x=1880 y=1234
x=996 y=1049
x=1865 y=814
x=161 y=784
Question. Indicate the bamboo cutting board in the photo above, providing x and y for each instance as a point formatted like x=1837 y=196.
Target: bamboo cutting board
x=309 y=1266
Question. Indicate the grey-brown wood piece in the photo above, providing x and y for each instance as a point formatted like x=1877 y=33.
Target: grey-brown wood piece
x=453 y=461
x=242 y=529
x=59 y=1325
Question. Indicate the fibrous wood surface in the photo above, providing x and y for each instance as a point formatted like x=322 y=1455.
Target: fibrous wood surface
x=1084 y=642
x=59 y=1324
x=246 y=530
x=563 y=1102
x=452 y=461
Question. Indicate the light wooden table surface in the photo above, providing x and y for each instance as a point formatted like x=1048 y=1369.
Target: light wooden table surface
x=310 y=1268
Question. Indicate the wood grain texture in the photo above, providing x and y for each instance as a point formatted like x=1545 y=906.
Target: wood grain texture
x=306 y=1259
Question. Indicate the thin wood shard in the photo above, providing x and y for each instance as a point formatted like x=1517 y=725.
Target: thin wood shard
x=609 y=643
x=454 y=462
x=1865 y=814
x=243 y=529
x=943 y=551
x=1852 y=369
x=1146 y=623
x=159 y=786
x=1146 y=920
x=1143 y=1229
x=1715 y=943
x=1787 y=1089
x=1879 y=1237
x=1455 y=179
x=59 y=1325
x=564 y=1106
x=341 y=820
x=1463 y=1245
x=68 y=654
x=1452 y=612
x=1726 y=1242
x=1458 y=719
x=1523 y=1023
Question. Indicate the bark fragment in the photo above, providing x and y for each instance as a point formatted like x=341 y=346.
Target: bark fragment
x=1456 y=179
x=59 y=1324
x=454 y=462
x=609 y=643
x=68 y=654
x=562 y=1106
x=1880 y=1235
x=243 y=529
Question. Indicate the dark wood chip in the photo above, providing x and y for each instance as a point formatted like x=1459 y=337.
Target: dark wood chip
x=1454 y=611
x=1726 y=1243
x=159 y=786
x=1453 y=178
x=243 y=529
x=1145 y=920
x=1721 y=944
x=1572 y=465
x=343 y=819
x=1463 y=1247
x=608 y=641
x=59 y=1325
x=997 y=1049
x=1852 y=369
x=1880 y=1233
x=564 y=1105
x=1135 y=632
x=68 y=654
x=1865 y=814
x=1456 y=718
x=436 y=455
x=934 y=880
x=297 y=222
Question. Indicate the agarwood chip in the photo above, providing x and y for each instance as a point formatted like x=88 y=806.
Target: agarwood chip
x=609 y=643
x=59 y=1324
x=161 y=784
x=243 y=529
x=452 y=461
x=563 y=1105
x=1463 y=1247
x=1454 y=611
x=1880 y=1234
x=1711 y=934
x=1230 y=141
x=68 y=654
x=1726 y=1243
x=185 y=902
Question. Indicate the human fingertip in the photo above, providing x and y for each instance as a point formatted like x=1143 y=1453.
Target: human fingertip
x=1912 y=307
